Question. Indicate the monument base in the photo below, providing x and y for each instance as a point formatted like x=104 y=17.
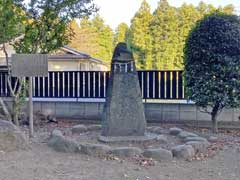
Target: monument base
x=133 y=139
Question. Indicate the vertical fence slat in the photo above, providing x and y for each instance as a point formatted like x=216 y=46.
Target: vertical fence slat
x=104 y=84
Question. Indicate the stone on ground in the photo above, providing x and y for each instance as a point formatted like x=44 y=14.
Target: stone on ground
x=213 y=139
x=94 y=127
x=126 y=151
x=158 y=154
x=61 y=144
x=183 y=151
x=199 y=146
x=78 y=129
x=175 y=131
x=95 y=149
x=184 y=134
x=197 y=138
x=157 y=130
x=162 y=139
x=11 y=137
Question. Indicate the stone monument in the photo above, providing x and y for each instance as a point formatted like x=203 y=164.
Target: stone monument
x=123 y=113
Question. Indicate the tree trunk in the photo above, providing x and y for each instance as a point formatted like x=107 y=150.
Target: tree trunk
x=214 y=124
x=15 y=111
x=214 y=114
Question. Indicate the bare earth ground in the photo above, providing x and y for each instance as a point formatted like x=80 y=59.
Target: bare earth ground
x=42 y=163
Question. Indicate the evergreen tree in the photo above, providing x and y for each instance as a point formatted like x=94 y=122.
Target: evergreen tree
x=85 y=37
x=140 y=36
x=121 y=33
x=187 y=16
x=104 y=39
x=93 y=37
x=164 y=30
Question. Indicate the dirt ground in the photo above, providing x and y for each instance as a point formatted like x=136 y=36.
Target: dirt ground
x=42 y=163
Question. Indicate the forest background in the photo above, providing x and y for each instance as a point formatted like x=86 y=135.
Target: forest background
x=157 y=39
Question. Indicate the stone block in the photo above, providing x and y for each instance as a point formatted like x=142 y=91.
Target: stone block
x=188 y=115
x=187 y=108
x=170 y=116
x=77 y=109
x=62 y=109
x=170 y=107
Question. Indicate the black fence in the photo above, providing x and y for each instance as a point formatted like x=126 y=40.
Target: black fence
x=93 y=84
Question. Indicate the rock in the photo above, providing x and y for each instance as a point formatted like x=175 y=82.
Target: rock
x=61 y=144
x=162 y=139
x=52 y=119
x=150 y=128
x=79 y=129
x=184 y=134
x=157 y=130
x=11 y=137
x=197 y=138
x=183 y=151
x=94 y=127
x=126 y=151
x=213 y=139
x=95 y=149
x=175 y=131
x=57 y=132
x=198 y=146
x=123 y=113
x=158 y=154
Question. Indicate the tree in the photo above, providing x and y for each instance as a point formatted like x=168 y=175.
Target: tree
x=46 y=27
x=93 y=37
x=12 y=22
x=85 y=37
x=140 y=36
x=187 y=17
x=104 y=39
x=121 y=33
x=212 y=66
x=164 y=30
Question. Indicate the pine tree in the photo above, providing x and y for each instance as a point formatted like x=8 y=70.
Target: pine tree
x=164 y=30
x=121 y=33
x=140 y=36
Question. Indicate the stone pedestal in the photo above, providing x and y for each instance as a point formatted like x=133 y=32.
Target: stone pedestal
x=123 y=113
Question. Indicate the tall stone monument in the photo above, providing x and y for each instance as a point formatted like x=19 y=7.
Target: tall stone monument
x=123 y=113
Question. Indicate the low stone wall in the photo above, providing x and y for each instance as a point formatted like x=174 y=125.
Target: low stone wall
x=162 y=111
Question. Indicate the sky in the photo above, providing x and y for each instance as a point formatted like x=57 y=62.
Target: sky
x=115 y=12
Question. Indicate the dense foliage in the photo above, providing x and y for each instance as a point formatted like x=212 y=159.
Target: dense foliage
x=156 y=39
x=93 y=37
x=11 y=19
x=212 y=63
x=47 y=24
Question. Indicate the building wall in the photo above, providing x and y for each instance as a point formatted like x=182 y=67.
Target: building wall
x=62 y=65
x=74 y=65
